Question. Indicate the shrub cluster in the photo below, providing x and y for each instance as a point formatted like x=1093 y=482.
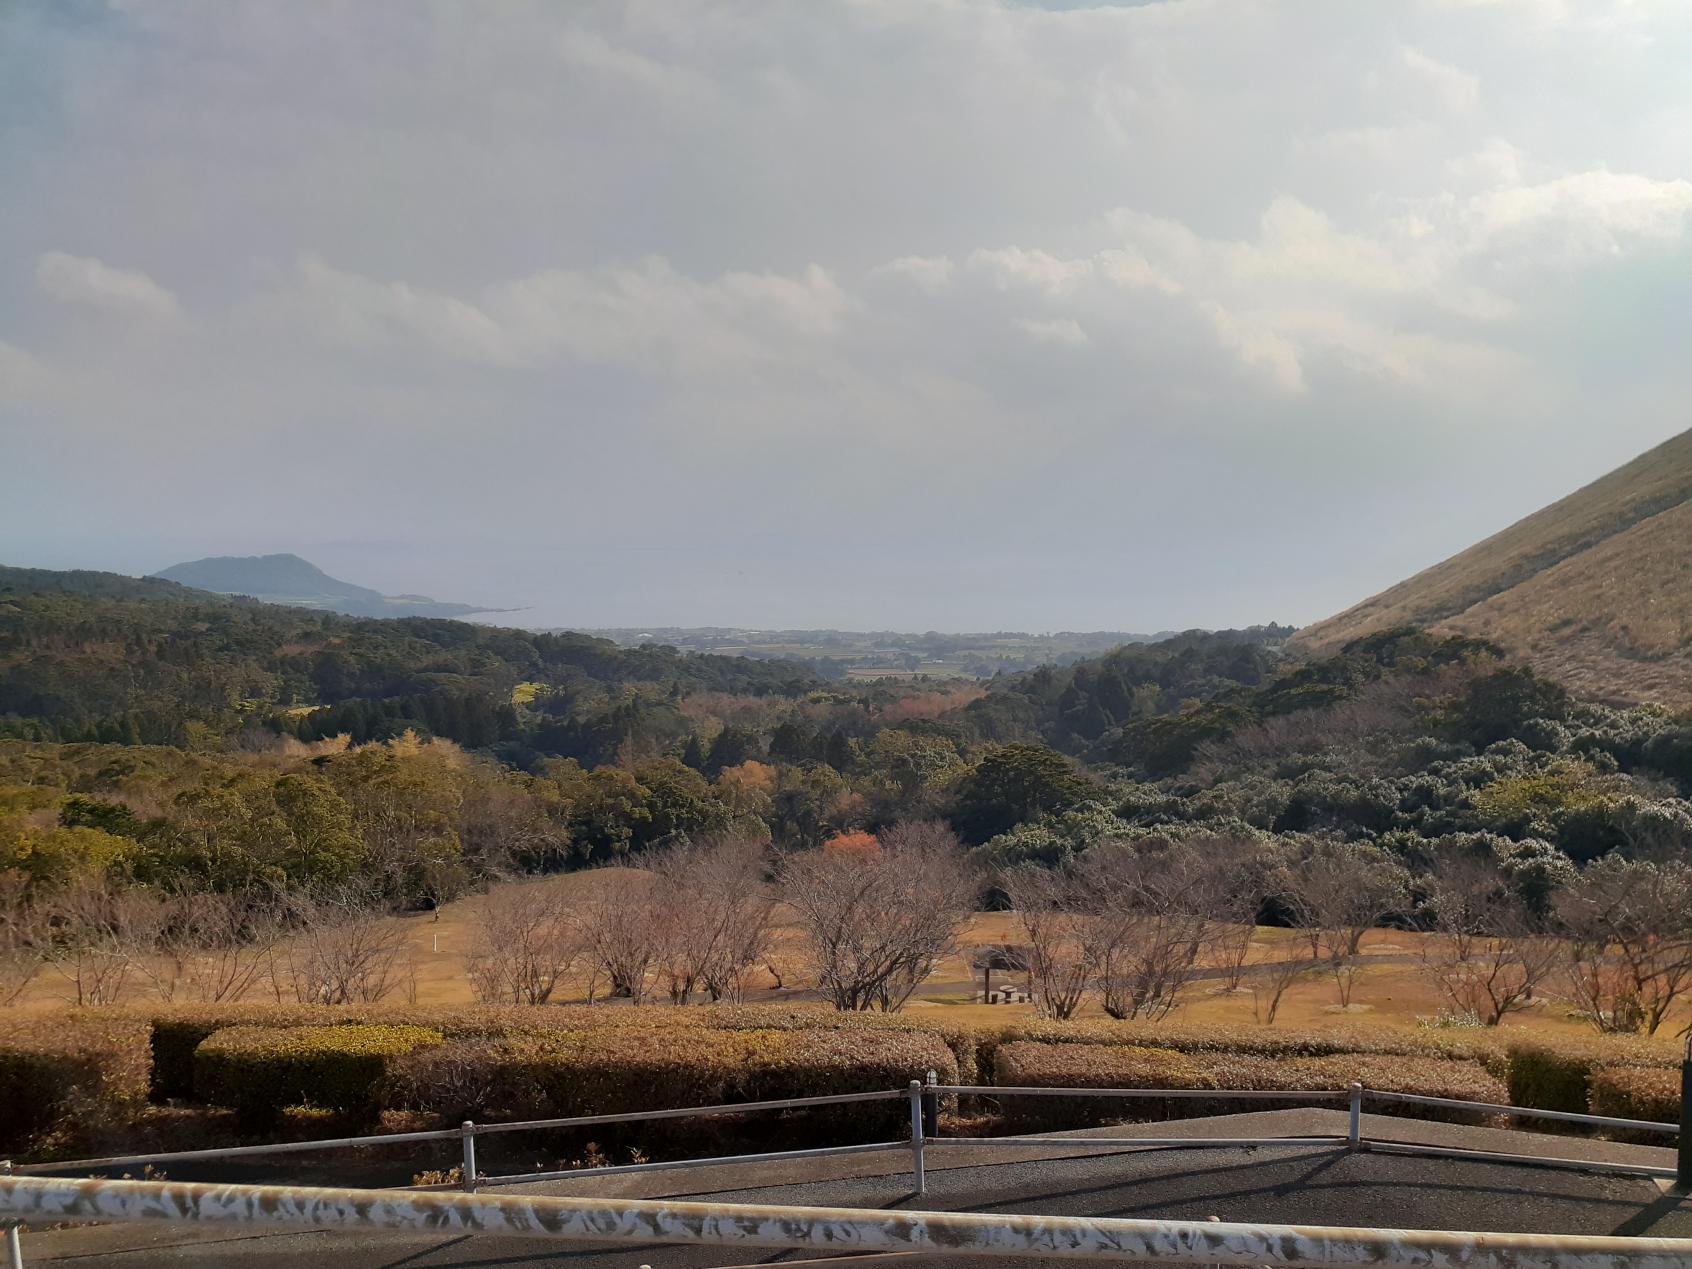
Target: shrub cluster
x=259 y=1071
x=1269 y=1042
x=1557 y=1075
x=1032 y=1064
x=441 y=1064
x=622 y=1070
x=1637 y=1092
x=76 y=1073
x=178 y=1030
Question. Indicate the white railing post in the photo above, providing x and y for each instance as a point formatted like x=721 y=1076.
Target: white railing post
x=468 y=1129
x=14 y=1240
x=1354 y=1134
x=920 y=1178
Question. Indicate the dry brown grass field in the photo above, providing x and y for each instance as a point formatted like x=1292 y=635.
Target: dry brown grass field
x=1391 y=990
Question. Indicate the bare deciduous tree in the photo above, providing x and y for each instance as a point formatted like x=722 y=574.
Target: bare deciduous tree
x=877 y=923
x=1151 y=918
x=1339 y=891
x=1243 y=871
x=715 y=913
x=522 y=944
x=94 y=941
x=343 y=953
x=237 y=936
x=1628 y=924
x=1486 y=953
x=621 y=931
x=1053 y=906
x=1270 y=982
x=23 y=937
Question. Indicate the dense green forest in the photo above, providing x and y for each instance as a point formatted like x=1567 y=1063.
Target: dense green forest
x=189 y=741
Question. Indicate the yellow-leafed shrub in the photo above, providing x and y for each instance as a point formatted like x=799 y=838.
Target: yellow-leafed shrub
x=259 y=1071
x=79 y=1074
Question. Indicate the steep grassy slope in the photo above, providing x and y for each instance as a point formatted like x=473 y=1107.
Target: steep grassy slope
x=1595 y=589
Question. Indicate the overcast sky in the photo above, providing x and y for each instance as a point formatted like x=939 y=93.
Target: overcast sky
x=865 y=313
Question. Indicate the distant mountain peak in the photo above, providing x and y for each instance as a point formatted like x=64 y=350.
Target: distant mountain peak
x=285 y=578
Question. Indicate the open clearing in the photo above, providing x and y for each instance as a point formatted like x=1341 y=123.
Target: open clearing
x=1391 y=990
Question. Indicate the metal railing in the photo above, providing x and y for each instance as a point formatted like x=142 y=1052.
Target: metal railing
x=469 y=1131
x=823 y=1229
x=923 y=1097
x=1355 y=1097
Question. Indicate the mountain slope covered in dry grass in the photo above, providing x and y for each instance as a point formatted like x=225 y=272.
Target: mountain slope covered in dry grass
x=1595 y=589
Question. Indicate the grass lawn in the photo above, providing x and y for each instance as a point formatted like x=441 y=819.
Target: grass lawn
x=1391 y=989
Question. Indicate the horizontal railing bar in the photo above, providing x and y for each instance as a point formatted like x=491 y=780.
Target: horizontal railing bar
x=1522 y=1112
x=1041 y=1142
x=1243 y=1094
x=453 y=1134
x=1494 y=1156
x=685 y=1112
x=968 y=1234
x=583 y=1121
x=520 y=1178
x=236 y=1152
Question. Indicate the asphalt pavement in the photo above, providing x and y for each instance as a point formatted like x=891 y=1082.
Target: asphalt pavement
x=1287 y=1185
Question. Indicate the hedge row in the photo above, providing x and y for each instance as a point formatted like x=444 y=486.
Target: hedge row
x=89 y=1069
x=358 y=1070
x=1559 y=1075
x=177 y=1031
x=1030 y=1064
x=1478 y=1045
x=260 y=1071
x=77 y=1075
x=1634 y=1092
x=566 y=1074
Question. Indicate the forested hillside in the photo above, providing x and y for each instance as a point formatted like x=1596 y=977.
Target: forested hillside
x=165 y=737
x=95 y=656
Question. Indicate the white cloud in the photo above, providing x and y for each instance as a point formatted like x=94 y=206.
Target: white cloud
x=645 y=315
x=1454 y=89
x=1582 y=216
x=1064 y=332
x=85 y=280
x=1018 y=266
x=930 y=274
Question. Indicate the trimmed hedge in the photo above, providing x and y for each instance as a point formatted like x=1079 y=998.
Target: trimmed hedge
x=260 y=1071
x=1475 y=1045
x=81 y=1073
x=1558 y=1075
x=558 y=1075
x=502 y=1061
x=1027 y=1063
x=1635 y=1092
x=177 y=1031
